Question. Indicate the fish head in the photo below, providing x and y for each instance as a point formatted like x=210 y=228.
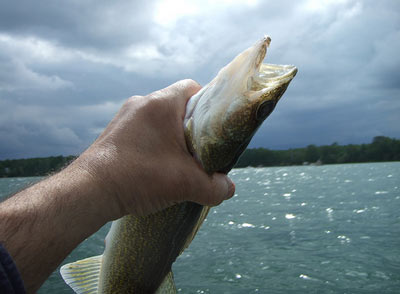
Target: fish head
x=224 y=115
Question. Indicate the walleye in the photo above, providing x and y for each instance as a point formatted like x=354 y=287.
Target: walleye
x=219 y=123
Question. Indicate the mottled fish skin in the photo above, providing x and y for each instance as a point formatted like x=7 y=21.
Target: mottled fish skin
x=140 y=250
x=220 y=121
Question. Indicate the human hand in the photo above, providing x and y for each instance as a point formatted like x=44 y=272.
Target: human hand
x=141 y=161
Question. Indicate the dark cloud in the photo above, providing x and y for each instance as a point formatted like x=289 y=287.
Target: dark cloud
x=66 y=67
x=88 y=24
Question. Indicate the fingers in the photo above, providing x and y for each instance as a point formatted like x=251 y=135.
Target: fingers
x=188 y=88
x=205 y=190
x=177 y=94
x=210 y=190
x=222 y=189
x=182 y=90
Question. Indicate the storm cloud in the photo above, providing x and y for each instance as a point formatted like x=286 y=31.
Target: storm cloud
x=67 y=67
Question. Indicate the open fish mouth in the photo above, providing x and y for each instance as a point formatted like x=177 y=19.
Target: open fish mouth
x=219 y=123
x=269 y=77
x=224 y=115
x=272 y=81
x=266 y=75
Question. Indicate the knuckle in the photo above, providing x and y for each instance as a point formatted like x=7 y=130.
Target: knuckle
x=133 y=99
x=191 y=82
x=192 y=87
x=131 y=103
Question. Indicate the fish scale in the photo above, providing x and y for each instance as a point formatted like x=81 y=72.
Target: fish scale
x=130 y=251
x=219 y=123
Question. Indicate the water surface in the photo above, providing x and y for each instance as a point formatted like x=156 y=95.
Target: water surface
x=306 y=229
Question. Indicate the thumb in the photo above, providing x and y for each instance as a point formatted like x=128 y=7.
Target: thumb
x=219 y=188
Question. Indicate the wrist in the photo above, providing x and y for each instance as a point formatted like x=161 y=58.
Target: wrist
x=83 y=198
x=46 y=221
x=97 y=167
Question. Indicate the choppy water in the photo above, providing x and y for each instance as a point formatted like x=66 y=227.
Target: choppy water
x=311 y=229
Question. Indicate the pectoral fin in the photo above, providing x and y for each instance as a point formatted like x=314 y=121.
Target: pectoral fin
x=83 y=275
x=202 y=217
x=167 y=286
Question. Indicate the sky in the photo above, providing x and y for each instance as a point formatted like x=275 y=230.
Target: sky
x=66 y=67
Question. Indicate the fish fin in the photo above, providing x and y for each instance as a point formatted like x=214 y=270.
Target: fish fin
x=83 y=275
x=196 y=228
x=168 y=285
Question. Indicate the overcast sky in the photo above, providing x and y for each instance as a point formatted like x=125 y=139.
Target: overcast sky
x=67 y=66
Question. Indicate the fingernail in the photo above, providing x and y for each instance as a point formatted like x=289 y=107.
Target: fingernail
x=231 y=188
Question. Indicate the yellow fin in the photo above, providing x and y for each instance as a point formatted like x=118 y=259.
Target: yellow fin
x=83 y=275
x=167 y=286
x=202 y=217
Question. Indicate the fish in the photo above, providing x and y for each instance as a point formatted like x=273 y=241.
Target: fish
x=219 y=122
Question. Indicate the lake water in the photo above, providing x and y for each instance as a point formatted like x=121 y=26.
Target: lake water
x=305 y=229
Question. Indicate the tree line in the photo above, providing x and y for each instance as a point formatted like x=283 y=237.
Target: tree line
x=380 y=149
x=31 y=167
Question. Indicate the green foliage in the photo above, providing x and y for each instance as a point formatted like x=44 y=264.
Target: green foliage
x=381 y=149
x=33 y=166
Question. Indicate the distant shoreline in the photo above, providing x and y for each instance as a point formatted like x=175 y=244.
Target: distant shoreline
x=381 y=149
x=33 y=167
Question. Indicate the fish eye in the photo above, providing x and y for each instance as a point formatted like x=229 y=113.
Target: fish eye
x=265 y=109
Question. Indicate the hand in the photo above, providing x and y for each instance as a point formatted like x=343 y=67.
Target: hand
x=141 y=161
x=138 y=165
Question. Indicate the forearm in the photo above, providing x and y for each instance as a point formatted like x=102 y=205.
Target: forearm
x=138 y=165
x=41 y=225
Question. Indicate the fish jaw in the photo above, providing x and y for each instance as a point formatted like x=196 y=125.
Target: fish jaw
x=224 y=115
